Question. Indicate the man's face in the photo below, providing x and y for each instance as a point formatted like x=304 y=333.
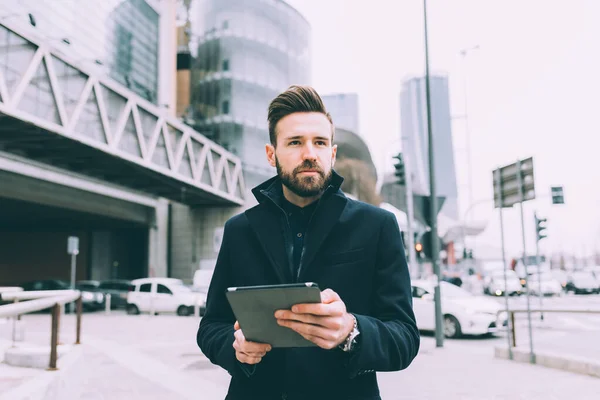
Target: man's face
x=304 y=155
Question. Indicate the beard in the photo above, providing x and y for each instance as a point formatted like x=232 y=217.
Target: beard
x=304 y=186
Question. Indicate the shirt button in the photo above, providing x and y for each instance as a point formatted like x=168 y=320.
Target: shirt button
x=299 y=235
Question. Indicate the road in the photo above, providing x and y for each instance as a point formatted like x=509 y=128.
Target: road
x=144 y=357
x=568 y=333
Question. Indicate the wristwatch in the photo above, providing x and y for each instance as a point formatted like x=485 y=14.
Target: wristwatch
x=350 y=343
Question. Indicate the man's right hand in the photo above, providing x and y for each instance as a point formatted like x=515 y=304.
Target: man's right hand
x=248 y=352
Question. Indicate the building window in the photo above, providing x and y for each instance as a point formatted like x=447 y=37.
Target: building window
x=225 y=107
x=123 y=54
x=225 y=65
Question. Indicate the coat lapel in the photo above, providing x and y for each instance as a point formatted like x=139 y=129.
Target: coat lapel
x=267 y=227
x=324 y=219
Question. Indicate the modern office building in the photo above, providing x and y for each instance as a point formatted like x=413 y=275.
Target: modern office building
x=83 y=153
x=344 y=109
x=245 y=53
x=413 y=114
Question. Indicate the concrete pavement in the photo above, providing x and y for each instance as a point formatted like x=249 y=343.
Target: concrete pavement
x=143 y=357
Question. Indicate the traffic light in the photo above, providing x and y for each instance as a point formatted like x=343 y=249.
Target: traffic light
x=540 y=228
x=558 y=196
x=400 y=173
x=419 y=249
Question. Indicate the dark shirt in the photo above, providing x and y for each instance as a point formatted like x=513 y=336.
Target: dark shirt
x=298 y=219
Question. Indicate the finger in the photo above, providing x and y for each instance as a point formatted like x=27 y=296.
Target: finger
x=310 y=330
x=329 y=296
x=322 y=343
x=253 y=347
x=236 y=326
x=333 y=309
x=246 y=359
x=240 y=347
x=325 y=321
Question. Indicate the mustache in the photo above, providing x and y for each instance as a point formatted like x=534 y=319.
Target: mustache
x=308 y=165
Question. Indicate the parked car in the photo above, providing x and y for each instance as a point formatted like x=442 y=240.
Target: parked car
x=494 y=283
x=118 y=290
x=583 y=282
x=464 y=313
x=91 y=301
x=546 y=282
x=162 y=295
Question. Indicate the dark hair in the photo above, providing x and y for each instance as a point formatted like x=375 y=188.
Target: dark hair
x=295 y=99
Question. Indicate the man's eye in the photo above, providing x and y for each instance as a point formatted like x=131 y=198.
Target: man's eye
x=294 y=142
x=321 y=143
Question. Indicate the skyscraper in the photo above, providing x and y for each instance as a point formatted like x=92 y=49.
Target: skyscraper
x=413 y=108
x=343 y=108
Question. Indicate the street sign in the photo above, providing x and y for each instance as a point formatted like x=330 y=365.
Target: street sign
x=73 y=245
x=558 y=196
x=516 y=183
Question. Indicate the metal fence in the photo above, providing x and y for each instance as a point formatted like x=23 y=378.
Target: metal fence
x=38 y=301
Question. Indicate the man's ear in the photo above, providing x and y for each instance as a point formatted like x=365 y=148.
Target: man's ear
x=271 y=154
x=333 y=155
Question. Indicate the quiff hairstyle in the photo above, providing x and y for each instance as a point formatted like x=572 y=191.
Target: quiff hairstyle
x=295 y=99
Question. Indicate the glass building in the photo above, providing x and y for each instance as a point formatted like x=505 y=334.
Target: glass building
x=413 y=110
x=245 y=53
x=118 y=38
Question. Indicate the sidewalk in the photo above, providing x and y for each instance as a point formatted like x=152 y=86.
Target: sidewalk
x=460 y=372
x=129 y=358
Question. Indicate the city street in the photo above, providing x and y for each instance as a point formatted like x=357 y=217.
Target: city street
x=144 y=357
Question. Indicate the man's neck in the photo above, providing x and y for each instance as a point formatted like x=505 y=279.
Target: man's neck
x=299 y=200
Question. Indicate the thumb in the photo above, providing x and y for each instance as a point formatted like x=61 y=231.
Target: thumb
x=236 y=326
x=329 y=296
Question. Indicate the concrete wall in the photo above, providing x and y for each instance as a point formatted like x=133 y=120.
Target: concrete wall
x=196 y=234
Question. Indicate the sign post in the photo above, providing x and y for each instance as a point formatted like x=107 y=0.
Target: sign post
x=73 y=250
x=515 y=184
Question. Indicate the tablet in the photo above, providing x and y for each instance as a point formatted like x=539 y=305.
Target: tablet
x=254 y=308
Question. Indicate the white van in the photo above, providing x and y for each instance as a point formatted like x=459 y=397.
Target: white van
x=162 y=295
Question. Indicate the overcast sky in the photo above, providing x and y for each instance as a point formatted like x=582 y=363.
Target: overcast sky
x=533 y=90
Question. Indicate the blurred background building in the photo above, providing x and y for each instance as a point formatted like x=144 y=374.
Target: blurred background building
x=413 y=125
x=90 y=146
x=242 y=55
x=344 y=109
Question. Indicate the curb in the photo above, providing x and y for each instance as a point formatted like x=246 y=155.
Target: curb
x=50 y=385
x=577 y=365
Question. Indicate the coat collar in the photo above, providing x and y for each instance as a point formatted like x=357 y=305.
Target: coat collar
x=266 y=221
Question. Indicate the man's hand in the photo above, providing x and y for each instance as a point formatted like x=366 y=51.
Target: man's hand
x=326 y=324
x=248 y=352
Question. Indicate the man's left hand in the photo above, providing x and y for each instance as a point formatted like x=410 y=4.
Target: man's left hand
x=326 y=324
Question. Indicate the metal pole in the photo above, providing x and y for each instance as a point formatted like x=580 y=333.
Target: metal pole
x=412 y=255
x=439 y=333
x=537 y=260
x=73 y=266
x=54 y=338
x=513 y=329
x=466 y=117
x=521 y=199
x=499 y=193
x=14 y=332
x=78 y=328
x=107 y=301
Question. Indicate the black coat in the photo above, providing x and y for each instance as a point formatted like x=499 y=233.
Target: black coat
x=350 y=247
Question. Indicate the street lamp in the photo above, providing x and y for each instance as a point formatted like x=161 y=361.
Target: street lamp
x=463 y=54
x=439 y=334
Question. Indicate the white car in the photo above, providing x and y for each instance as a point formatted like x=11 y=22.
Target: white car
x=550 y=285
x=494 y=283
x=162 y=295
x=464 y=313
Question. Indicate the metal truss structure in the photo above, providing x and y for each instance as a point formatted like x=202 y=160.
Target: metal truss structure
x=55 y=111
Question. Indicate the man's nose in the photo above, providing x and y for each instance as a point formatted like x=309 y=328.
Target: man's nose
x=309 y=152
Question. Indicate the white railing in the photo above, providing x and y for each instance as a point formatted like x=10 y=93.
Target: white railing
x=160 y=142
x=43 y=300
